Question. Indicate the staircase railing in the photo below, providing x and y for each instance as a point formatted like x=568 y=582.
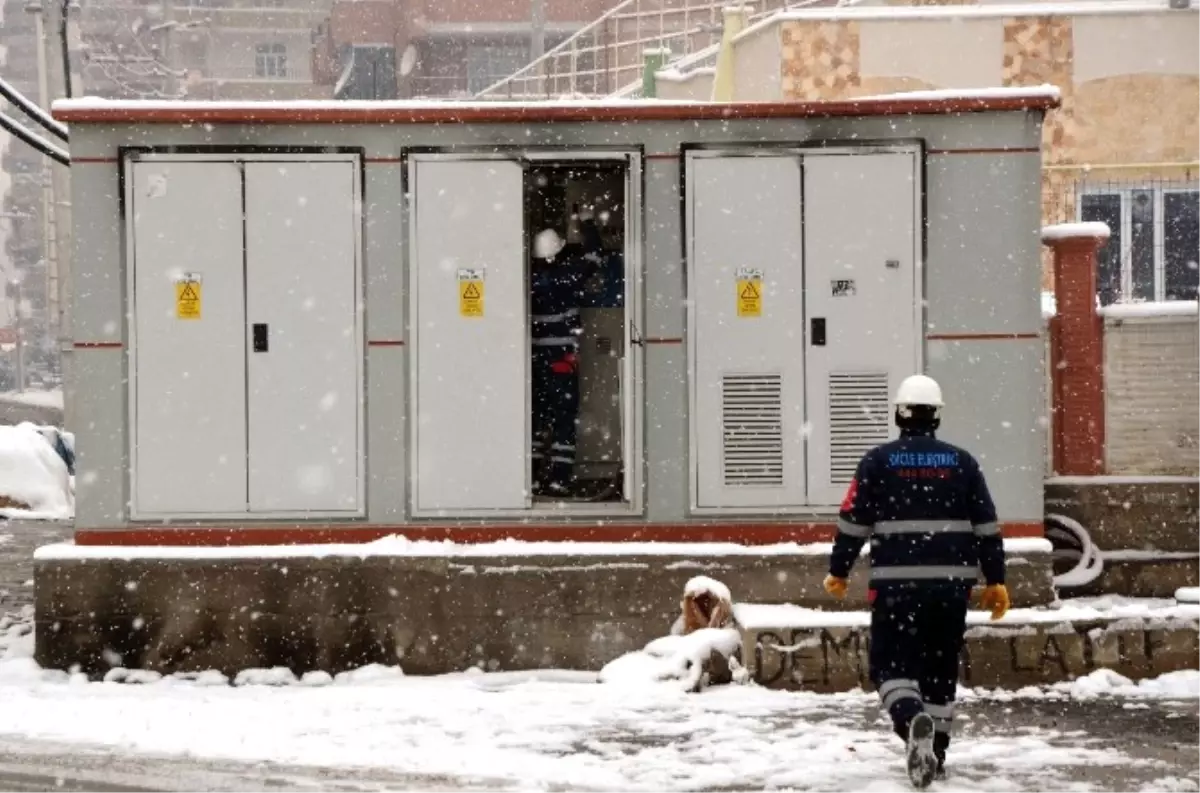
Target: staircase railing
x=605 y=56
x=707 y=57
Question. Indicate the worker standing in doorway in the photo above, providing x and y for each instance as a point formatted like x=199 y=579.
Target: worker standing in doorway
x=558 y=278
x=926 y=509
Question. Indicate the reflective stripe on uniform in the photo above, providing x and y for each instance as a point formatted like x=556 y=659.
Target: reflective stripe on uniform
x=923 y=573
x=942 y=725
x=922 y=527
x=940 y=711
x=557 y=341
x=892 y=691
x=987 y=529
x=568 y=314
x=853 y=529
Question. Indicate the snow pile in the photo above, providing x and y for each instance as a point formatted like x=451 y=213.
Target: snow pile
x=1169 y=784
x=676 y=659
x=1184 y=684
x=1188 y=594
x=711 y=649
x=34 y=475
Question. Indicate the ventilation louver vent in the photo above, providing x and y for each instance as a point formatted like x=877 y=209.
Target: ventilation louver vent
x=752 y=429
x=859 y=415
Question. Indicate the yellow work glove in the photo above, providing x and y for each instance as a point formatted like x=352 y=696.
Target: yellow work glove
x=995 y=599
x=835 y=586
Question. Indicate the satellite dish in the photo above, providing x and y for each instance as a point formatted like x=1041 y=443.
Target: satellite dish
x=408 y=60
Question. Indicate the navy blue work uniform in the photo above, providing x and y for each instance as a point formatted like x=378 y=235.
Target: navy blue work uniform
x=925 y=507
x=557 y=292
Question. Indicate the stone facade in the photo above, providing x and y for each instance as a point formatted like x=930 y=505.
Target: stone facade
x=1111 y=86
x=820 y=60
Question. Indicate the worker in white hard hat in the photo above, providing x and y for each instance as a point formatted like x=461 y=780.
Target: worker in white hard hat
x=558 y=280
x=925 y=506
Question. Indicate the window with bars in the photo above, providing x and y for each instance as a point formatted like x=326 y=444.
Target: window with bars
x=270 y=60
x=1154 y=251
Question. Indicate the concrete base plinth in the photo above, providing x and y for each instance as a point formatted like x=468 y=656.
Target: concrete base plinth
x=1008 y=656
x=1145 y=527
x=429 y=614
x=1131 y=512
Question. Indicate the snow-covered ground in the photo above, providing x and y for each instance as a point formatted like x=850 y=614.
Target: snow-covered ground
x=563 y=729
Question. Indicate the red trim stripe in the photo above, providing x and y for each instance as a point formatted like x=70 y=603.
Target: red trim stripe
x=473 y=533
x=1015 y=150
x=534 y=112
x=385 y=343
x=981 y=336
x=663 y=340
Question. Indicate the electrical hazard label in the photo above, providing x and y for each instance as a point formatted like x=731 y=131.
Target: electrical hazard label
x=749 y=292
x=188 y=296
x=470 y=293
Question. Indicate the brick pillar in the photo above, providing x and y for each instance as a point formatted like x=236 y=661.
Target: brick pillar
x=1077 y=350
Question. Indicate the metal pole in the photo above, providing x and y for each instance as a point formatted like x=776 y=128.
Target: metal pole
x=49 y=246
x=537 y=39
x=18 y=328
x=537 y=43
x=57 y=61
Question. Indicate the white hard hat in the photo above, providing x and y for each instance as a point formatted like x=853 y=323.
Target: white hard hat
x=919 y=389
x=547 y=244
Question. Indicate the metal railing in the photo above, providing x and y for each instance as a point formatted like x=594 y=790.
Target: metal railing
x=707 y=57
x=605 y=56
x=1153 y=215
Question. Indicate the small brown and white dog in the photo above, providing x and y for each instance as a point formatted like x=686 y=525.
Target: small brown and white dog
x=706 y=603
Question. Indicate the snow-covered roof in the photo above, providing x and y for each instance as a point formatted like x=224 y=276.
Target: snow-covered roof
x=106 y=111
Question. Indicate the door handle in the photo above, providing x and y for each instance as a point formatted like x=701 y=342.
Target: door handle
x=818 y=331
x=258 y=332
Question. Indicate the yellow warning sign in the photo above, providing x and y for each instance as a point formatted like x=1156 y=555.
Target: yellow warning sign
x=470 y=293
x=188 y=296
x=749 y=292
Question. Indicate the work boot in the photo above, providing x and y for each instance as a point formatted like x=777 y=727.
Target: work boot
x=921 y=761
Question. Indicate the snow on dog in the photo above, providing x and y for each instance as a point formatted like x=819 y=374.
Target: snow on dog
x=704 y=647
x=35 y=481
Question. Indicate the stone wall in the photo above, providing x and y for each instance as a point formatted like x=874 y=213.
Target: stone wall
x=1152 y=395
x=430 y=614
x=836 y=659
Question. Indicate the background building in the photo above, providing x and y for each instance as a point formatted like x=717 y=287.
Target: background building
x=1124 y=147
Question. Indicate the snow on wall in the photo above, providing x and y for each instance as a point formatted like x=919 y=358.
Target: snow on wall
x=760 y=616
x=400 y=546
x=1070 y=231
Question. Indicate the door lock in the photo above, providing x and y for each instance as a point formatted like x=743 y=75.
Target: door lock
x=818 y=331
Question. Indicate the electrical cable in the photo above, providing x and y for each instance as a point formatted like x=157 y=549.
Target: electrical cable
x=22 y=133
x=26 y=106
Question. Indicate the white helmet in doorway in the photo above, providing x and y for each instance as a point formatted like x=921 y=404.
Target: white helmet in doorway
x=918 y=390
x=547 y=244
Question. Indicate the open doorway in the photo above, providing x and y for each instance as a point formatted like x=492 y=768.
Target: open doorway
x=575 y=216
